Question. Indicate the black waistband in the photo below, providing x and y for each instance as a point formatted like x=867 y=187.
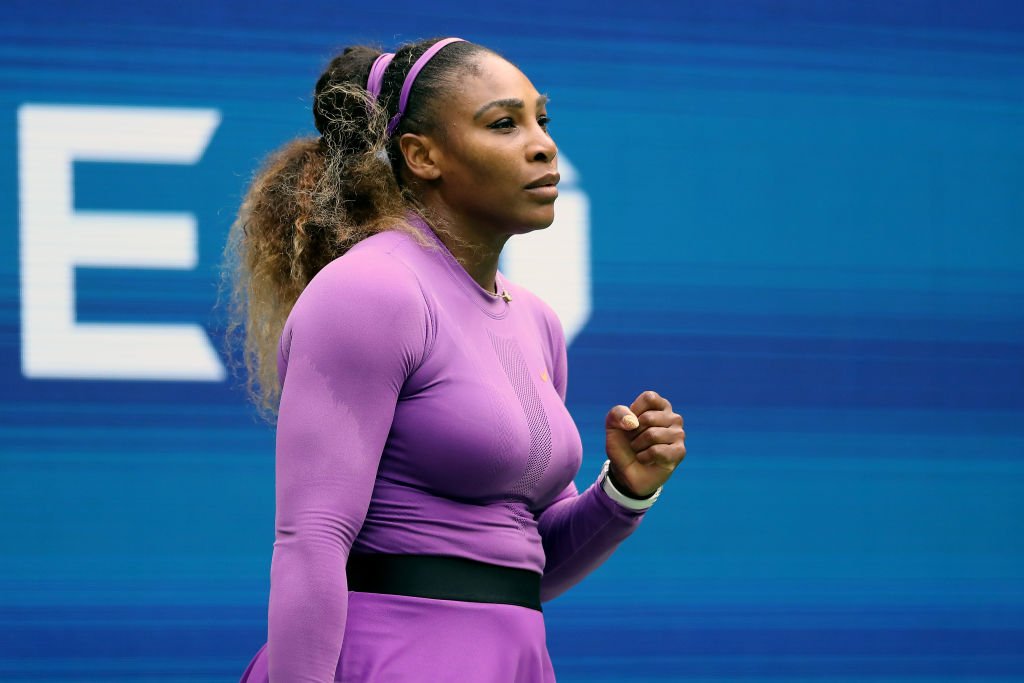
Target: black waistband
x=443 y=578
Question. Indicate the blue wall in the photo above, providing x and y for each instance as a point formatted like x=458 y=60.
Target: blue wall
x=807 y=230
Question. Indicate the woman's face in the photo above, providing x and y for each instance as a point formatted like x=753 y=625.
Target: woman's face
x=494 y=155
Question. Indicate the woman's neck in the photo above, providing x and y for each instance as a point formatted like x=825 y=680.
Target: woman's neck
x=477 y=248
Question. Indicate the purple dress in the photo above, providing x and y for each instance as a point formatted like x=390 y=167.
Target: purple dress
x=422 y=414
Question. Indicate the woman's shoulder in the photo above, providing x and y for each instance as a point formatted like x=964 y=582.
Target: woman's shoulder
x=365 y=303
x=373 y=273
x=378 y=263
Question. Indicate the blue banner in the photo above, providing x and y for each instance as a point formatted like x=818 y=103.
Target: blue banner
x=802 y=222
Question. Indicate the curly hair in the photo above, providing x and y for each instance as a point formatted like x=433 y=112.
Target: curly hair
x=315 y=197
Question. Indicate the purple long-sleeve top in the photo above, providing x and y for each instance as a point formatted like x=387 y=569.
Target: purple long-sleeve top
x=420 y=414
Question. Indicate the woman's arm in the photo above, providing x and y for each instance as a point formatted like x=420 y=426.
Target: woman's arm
x=355 y=334
x=579 y=532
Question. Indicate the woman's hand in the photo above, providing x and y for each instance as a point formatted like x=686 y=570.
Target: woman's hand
x=645 y=443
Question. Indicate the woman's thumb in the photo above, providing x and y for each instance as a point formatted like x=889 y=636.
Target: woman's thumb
x=618 y=424
x=621 y=417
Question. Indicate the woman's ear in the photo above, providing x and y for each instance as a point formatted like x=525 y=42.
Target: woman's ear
x=420 y=154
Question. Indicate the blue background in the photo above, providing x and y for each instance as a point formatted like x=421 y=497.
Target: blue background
x=807 y=224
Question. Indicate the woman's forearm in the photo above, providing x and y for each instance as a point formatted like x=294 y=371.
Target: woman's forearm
x=579 y=532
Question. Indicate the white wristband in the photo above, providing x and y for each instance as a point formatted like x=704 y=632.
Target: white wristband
x=622 y=499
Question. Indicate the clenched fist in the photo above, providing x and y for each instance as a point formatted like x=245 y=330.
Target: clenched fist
x=645 y=443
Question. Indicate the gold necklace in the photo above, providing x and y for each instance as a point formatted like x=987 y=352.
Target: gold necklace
x=504 y=292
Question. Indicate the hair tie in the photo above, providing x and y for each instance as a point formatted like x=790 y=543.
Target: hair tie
x=376 y=78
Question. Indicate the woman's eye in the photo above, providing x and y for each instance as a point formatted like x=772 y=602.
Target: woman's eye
x=503 y=123
x=544 y=121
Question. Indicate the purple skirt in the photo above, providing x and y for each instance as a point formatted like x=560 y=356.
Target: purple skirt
x=397 y=638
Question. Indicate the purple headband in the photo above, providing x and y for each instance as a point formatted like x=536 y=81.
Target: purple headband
x=376 y=78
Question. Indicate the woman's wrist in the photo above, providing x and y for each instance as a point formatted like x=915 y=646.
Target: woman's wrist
x=623 y=488
x=621 y=493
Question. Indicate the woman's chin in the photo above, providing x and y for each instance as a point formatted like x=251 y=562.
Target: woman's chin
x=538 y=220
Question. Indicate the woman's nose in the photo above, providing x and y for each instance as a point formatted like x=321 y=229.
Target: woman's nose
x=542 y=147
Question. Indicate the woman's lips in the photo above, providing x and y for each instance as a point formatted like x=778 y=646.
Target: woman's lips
x=550 y=178
x=544 y=186
x=543 y=191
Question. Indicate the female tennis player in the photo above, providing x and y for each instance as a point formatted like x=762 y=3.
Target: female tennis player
x=424 y=455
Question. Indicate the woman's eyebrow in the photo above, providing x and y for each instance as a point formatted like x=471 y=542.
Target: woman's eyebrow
x=510 y=102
